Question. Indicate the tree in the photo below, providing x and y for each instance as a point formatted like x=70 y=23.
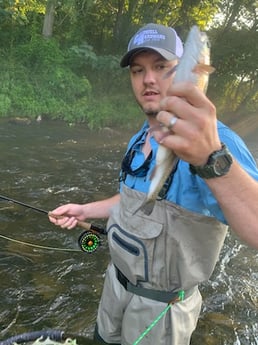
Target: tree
x=235 y=55
x=49 y=19
x=87 y=38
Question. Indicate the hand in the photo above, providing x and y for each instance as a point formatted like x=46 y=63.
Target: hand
x=194 y=135
x=67 y=216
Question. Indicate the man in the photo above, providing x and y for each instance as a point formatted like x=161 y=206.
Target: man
x=176 y=247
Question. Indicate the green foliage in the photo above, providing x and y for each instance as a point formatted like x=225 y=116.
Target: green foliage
x=5 y=104
x=40 y=79
x=235 y=59
x=75 y=75
x=103 y=71
x=39 y=53
x=113 y=111
x=38 y=82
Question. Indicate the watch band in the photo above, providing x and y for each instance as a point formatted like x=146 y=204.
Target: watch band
x=218 y=164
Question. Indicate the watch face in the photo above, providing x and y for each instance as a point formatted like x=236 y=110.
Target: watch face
x=222 y=164
x=218 y=164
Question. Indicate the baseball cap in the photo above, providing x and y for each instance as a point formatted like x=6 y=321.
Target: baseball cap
x=160 y=38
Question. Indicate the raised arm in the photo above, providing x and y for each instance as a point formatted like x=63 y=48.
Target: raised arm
x=237 y=194
x=194 y=138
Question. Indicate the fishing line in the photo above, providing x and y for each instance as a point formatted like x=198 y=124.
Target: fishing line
x=181 y=295
x=39 y=246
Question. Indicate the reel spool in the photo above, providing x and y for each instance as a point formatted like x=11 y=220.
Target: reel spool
x=89 y=242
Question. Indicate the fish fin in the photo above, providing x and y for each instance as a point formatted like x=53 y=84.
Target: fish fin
x=203 y=68
x=146 y=207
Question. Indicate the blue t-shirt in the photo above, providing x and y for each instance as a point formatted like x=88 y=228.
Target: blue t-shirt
x=188 y=190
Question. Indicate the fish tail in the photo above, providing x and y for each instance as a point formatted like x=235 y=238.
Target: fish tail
x=203 y=68
x=146 y=207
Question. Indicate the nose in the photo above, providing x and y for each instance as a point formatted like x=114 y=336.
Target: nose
x=149 y=77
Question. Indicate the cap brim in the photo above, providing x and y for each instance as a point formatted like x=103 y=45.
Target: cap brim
x=127 y=58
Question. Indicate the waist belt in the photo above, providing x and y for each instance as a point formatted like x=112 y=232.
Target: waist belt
x=157 y=295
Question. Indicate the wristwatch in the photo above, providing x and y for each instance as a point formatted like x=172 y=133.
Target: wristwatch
x=218 y=164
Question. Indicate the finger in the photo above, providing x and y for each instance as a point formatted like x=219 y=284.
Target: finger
x=61 y=210
x=172 y=122
x=53 y=217
x=177 y=106
x=171 y=128
x=70 y=223
x=174 y=142
x=168 y=120
x=62 y=221
x=192 y=93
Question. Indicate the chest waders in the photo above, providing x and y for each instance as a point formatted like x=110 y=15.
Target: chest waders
x=152 y=258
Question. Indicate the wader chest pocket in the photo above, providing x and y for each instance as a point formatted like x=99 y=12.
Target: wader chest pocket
x=131 y=253
x=127 y=246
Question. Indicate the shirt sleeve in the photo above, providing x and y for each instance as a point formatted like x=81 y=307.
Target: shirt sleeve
x=242 y=154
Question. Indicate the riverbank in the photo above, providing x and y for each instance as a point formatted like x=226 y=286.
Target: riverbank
x=246 y=126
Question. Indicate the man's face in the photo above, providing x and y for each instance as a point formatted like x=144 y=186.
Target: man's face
x=147 y=71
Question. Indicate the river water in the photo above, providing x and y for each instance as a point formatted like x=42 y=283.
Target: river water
x=59 y=287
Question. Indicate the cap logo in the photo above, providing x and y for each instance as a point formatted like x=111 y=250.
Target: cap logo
x=148 y=35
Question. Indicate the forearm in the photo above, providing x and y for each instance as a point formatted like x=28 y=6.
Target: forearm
x=237 y=194
x=100 y=209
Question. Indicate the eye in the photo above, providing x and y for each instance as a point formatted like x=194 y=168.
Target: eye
x=136 y=70
x=160 y=67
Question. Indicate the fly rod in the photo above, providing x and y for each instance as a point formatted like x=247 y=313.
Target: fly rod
x=84 y=225
x=88 y=241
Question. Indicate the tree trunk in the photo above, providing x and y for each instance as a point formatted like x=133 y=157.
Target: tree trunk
x=48 y=24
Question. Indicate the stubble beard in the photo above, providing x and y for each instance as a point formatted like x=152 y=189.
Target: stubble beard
x=149 y=112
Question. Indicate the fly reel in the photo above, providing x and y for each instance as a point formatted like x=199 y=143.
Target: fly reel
x=89 y=242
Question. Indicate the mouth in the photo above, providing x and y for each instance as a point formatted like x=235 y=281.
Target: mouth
x=150 y=101
x=149 y=93
x=151 y=96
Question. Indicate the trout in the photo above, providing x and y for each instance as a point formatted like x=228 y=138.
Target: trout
x=194 y=66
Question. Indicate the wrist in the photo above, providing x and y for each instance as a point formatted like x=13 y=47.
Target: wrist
x=218 y=164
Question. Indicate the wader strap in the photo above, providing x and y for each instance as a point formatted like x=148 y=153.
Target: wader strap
x=157 y=295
